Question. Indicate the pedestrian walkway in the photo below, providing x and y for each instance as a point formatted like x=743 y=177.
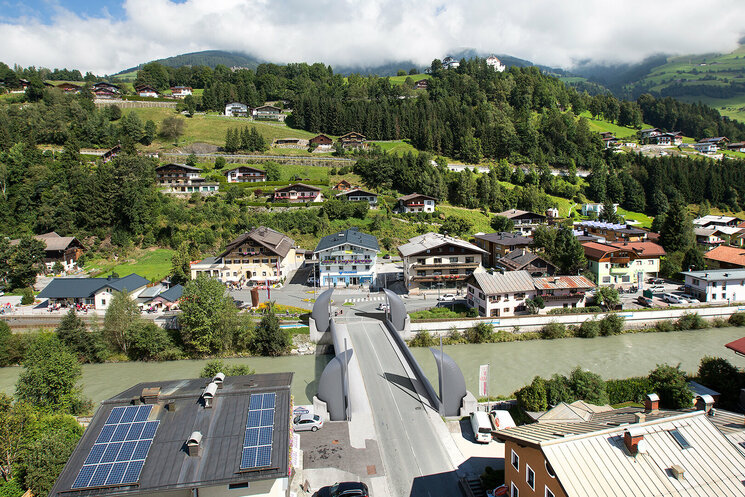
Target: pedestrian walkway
x=365 y=299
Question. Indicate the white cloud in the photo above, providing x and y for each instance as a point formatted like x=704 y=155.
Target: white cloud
x=371 y=32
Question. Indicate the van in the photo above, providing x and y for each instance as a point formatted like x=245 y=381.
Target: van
x=481 y=426
x=672 y=298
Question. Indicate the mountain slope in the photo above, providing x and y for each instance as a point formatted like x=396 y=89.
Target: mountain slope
x=209 y=58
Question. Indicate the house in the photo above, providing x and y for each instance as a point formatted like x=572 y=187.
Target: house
x=594 y=209
x=245 y=174
x=498 y=245
x=321 y=142
x=646 y=134
x=668 y=138
x=499 y=294
x=623 y=263
x=343 y=186
x=562 y=291
x=493 y=62
x=298 y=192
x=236 y=109
x=552 y=213
x=167 y=299
x=181 y=91
x=523 y=259
x=297 y=143
x=228 y=436
x=260 y=256
x=353 y=140
x=94 y=292
x=725 y=257
x=716 y=285
x=105 y=93
x=611 y=232
x=102 y=85
x=681 y=454
x=435 y=261
x=347 y=258
x=525 y=221
x=111 y=153
x=182 y=179
x=705 y=148
x=716 y=221
x=707 y=237
x=63 y=249
x=358 y=195
x=422 y=84
x=146 y=91
x=69 y=88
x=720 y=141
x=268 y=112
x=611 y=142
x=736 y=147
x=415 y=202
x=450 y=63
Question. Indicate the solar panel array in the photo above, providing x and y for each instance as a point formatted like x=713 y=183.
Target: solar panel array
x=257 y=443
x=120 y=450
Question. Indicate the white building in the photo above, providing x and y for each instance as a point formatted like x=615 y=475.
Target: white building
x=416 y=202
x=236 y=109
x=499 y=295
x=596 y=209
x=94 y=292
x=495 y=63
x=716 y=285
x=705 y=148
x=347 y=258
x=357 y=195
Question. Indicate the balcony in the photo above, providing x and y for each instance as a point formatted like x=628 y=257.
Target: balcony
x=568 y=296
x=444 y=277
x=620 y=260
x=445 y=265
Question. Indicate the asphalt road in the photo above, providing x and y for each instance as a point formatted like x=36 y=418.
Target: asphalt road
x=416 y=462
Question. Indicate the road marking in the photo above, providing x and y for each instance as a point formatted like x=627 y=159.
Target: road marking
x=364 y=299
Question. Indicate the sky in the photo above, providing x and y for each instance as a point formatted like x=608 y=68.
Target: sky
x=107 y=36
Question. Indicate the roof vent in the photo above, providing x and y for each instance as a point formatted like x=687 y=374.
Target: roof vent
x=678 y=472
x=632 y=438
x=640 y=417
x=652 y=402
x=194 y=444
x=209 y=394
x=704 y=402
x=219 y=379
x=150 y=395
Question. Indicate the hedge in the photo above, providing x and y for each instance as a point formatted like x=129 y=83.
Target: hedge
x=633 y=389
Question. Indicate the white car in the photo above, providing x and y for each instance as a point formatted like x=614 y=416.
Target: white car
x=691 y=298
x=384 y=307
x=448 y=297
x=307 y=422
x=673 y=299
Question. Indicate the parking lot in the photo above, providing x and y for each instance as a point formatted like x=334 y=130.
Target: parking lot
x=629 y=300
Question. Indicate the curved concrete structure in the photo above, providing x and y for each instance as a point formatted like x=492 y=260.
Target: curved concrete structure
x=331 y=386
x=452 y=383
x=398 y=310
x=320 y=313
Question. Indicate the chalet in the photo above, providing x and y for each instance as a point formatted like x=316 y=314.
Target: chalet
x=562 y=291
x=611 y=142
x=268 y=112
x=105 y=93
x=712 y=221
x=94 y=292
x=422 y=84
x=623 y=263
x=347 y=258
x=724 y=257
x=353 y=140
x=525 y=221
x=69 y=88
x=181 y=91
x=719 y=141
x=705 y=148
x=187 y=437
x=667 y=138
x=245 y=174
x=736 y=147
x=435 y=261
x=297 y=143
x=111 y=153
x=236 y=109
x=496 y=64
x=102 y=85
x=415 y=202
x=646 y=135
x=499 y=295
x=321 y=142
x=259 y=256
x=63 y=249
x=524 y=260
x=343 y=186
x=182 y=179
x=358 y=195
x=611 y=232
x=707 y=237
x=450 y=63
x=298 y=192
x=498 y=245
x=146 y=91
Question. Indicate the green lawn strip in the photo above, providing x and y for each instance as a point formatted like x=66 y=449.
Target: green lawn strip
x=646 y=221
x=399 y=80
x=479 y=220
x=152 y=264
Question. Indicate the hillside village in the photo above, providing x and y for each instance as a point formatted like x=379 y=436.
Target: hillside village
x=301 y=237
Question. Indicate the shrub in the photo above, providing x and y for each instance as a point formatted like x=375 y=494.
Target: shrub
x=27 y=296
x=533 y=397
x=423 y=338
x=670 y=384
x=217 y=366
x=612 y=324
x=588 y=329
x=588 y=386
x=737 y=319
x=593 y=309
x=149 y=341
x=455 y=336
x=553 y=330
x=664 y=326
x=628 y=389
x=558 y=390
x=472 y=313
x=720 y=375
x=719 y=323
x=691 y=321
x=480 y=333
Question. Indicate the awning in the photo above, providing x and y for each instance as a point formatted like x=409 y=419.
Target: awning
x=738 y=346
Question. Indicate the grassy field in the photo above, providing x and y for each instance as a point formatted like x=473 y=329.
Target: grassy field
x=153 y=264
x=600 y=126
x=479 y=220
x=399 y=80
x=398 y=147
x=646 y=221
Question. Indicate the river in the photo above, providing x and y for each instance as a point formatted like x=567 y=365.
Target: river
x=513 y=364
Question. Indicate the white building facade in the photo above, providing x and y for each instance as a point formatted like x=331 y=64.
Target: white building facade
x=347 y=258
x=716 y=285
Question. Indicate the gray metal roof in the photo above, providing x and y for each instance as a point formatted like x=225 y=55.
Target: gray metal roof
x=168 y=467
x=716 y=274
x=504 y=238
x=509 y=282
x=172 y=294
x=351 y=236
x=61 y=288
x=429 y=241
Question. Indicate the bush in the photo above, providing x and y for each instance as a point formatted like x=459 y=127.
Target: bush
x=664 y=326
x=423 y=338
x=588 y=329
x=149 y=342
x=628 y=389
x=217 y=366
x=720 y=375
x=691 y=321
x=10 y=488
x=553 y=330
x=455 y=337
x=533 y=397
x=737 y=319
x=481 y=333
x=670 y=384
x=588 y=386
x=593 y=309
x=558 y=390
x=27 y=296
x=612 y=324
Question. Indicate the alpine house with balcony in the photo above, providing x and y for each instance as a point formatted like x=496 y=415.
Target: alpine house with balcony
x=434 y=261
x=623 y=263
x=347 y=258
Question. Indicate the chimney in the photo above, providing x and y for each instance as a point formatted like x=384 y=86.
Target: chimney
x=171 y=406
x=219 y=379
x=209 y=394
x=150 y=395
x=678 y=472
x=652 y=403
x=704 y=403
x=632 y=438
x=194 y=444
x=640 y=417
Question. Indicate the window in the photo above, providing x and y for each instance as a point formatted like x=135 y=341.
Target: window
x=421 y=261
x=530 y=477
x=421 y=273
x=438 y=260
x=549 y=493
x=238 y=485
x=453 y=260
x=550 y=470
x=606 y=279
x=469 y=260
x=452 y=249
x=515 y=459
x=514 y=492
x=678 y=436
x=519 y=296
x=453 y=271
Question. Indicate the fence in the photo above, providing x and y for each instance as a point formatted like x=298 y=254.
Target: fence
x=132 y=104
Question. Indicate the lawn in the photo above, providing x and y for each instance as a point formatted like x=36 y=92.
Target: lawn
x=646 y=221
x=600 y=126
x=153 y=264
x=479 y=220
x=399 y=80
x=397 y=147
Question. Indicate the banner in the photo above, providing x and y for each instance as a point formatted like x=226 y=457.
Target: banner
x=483 y=379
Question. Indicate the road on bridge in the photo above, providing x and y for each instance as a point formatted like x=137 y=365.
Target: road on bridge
x=415 y=459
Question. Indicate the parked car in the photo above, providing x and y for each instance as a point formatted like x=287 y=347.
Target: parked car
x=644 y=301
x=448 y=297
x=690 y=298
x=481 y=426
x=384 y=307
x=311 y=280
x=657 y=281
x=673 y=299
x=345 y=489
x=387 y=256
x=307 y=422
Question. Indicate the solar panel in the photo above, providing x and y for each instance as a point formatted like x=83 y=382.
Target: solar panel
x=120 y=450
x=257 y=442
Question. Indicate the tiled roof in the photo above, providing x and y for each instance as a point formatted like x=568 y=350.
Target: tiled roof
x=275 y=241
x=560 y=282
x=642 y=249
x=727 y=254
x=597 y=250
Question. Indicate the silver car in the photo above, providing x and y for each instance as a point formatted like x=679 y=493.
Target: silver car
x=307 y=422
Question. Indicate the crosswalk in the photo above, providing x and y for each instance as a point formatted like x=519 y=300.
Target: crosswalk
x=365 y=299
